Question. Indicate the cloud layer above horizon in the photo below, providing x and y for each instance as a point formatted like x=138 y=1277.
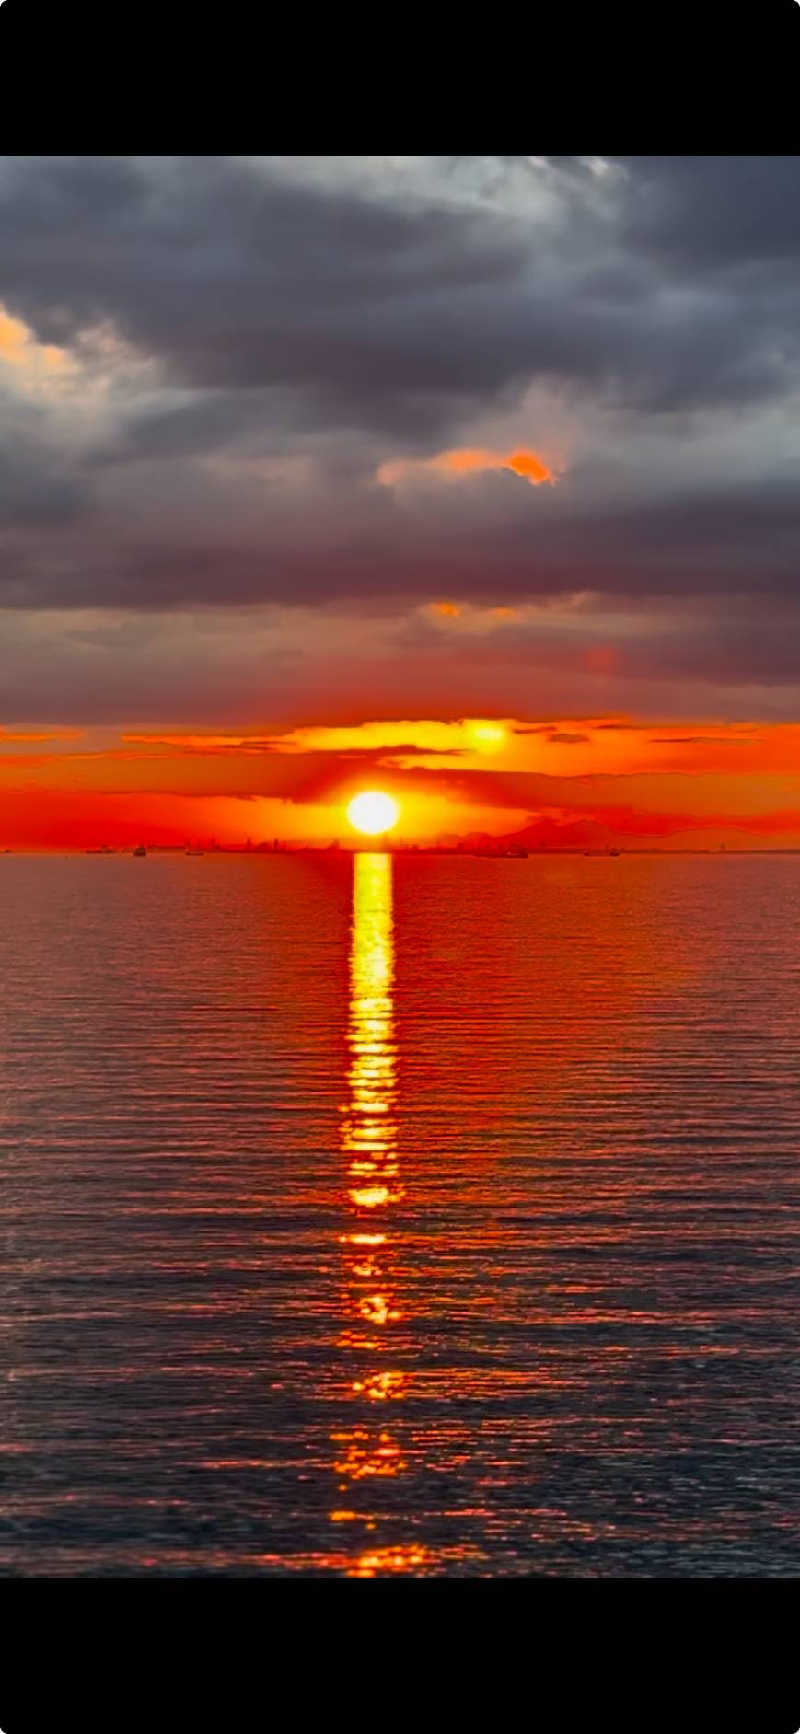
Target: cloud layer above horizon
x=306 y=440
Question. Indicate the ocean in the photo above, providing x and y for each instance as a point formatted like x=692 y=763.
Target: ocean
x=400 y=1215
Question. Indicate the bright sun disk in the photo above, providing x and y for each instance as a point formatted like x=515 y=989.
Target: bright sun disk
x=373 y=812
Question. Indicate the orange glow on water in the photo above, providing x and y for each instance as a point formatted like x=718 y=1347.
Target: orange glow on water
x=389 y=1559
x=370 y=1197
x=380 y=1386
x=369 y=1142
x=509 y=1050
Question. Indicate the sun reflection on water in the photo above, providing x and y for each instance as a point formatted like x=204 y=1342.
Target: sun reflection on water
x=367 y=1452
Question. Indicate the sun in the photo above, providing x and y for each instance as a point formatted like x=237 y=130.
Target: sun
x=373 y=812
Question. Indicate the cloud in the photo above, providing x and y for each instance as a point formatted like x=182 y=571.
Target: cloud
x=19 y=349
x=205 y=362
x=464 y=462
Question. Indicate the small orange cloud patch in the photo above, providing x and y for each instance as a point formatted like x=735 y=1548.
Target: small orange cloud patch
x=472 y=617
x=528 y=465
x=19 y=348
x=523 y=463
x=13 y=337
x=462 y=461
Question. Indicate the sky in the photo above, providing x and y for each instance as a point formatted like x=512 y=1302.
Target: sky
x=473 y=479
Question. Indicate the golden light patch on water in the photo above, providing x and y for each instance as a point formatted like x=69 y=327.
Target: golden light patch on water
x=369 y=1143
x=380 y=1386
x=366 y=1457
x=370 y=1197
x=388 y=1559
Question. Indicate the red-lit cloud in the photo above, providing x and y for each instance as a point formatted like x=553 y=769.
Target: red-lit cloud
x=559 y=782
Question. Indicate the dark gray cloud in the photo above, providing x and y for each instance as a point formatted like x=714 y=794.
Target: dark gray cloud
x=234 y=278
x=380 y=309
x=249 y=340
x=708 y=213
x=163 y=543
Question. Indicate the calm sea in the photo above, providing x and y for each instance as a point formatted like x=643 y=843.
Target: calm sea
x=425 y=1216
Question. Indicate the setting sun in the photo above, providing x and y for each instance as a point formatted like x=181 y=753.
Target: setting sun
x=373 y=812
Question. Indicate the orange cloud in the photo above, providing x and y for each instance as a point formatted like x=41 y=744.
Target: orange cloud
x=733 y=783
x=13 y=338
x=474 y=618
x=19 y=348
x=39 y=735
x=530 y=466
x=468 y=460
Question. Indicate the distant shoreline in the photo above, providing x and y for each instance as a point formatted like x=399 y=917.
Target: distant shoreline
x=415 y=852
